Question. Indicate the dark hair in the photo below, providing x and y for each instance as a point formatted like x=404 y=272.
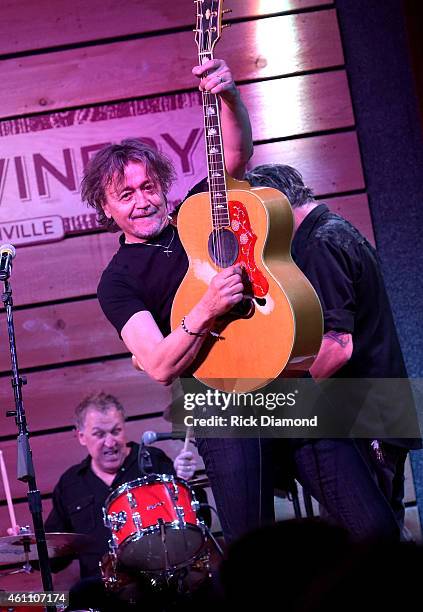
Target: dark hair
x=109 y=165
x=102 y=402
x=285 y=179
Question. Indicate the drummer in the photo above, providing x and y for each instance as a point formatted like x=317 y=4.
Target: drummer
x=79 y=496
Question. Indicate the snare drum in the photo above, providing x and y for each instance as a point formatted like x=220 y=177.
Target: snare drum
x=154 y=523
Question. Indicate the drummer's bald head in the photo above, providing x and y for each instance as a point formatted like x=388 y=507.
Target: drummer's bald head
x=102 y=402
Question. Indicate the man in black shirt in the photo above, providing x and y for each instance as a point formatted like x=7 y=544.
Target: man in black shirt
x=127 y=185
x=80 y=494
x=360 y=482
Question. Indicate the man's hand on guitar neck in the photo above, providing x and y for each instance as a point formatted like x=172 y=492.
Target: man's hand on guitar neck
x=216 y=77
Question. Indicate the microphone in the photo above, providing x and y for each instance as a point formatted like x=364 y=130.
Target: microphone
x=7 y=253
x=149 y=437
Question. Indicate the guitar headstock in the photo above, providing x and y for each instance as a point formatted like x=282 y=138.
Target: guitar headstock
x=209 y=24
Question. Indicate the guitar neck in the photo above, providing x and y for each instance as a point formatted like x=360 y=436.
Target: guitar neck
x=215 y=155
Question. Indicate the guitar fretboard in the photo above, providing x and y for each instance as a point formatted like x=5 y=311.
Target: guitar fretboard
x=215 y=157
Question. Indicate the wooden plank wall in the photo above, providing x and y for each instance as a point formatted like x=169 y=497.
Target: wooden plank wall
x=56 y=56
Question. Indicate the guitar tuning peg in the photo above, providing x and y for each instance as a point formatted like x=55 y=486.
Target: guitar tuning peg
x=226 y=11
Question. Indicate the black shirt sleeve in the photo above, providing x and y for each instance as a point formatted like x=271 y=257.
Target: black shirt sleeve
x=118 y=298
x=331 y=272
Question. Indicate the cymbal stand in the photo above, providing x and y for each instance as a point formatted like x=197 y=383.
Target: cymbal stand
x=25 y=466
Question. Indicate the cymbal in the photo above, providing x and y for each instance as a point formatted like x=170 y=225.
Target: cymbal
x=12 y=548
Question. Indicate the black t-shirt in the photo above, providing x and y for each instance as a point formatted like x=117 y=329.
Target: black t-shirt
x=143 y=277
x=79 y=497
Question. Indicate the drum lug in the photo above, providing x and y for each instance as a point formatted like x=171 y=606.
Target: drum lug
x=175 y=489
x=113 y=546
x=131 y=500
x=106 y=520
x=136 y=518
x=181 y=512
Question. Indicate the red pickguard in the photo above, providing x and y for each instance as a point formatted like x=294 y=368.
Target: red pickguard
x=241 y=227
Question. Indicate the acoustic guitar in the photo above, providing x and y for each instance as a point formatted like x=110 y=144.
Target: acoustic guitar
x=279 y=321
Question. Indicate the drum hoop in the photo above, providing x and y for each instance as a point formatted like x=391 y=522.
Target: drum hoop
x=145 y=480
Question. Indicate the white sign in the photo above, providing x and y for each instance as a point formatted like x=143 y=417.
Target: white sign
x=42 y=159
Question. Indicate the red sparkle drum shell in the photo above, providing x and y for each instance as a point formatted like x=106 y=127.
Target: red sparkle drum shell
x=154 y=523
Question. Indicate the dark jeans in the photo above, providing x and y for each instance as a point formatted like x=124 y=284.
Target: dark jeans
x=240 y=475
x=359 y=491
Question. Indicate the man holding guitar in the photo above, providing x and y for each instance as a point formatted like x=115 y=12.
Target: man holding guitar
x=127 y=185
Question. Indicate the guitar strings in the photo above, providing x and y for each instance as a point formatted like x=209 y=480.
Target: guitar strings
x=215 y=160
x=201 y=57
x=209 y=120
x=215 y=163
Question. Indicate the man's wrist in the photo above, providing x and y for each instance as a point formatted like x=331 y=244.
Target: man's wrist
x=231 y=97
x=199 y=319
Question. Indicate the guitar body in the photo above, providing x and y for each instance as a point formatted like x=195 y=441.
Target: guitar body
x=281 y=321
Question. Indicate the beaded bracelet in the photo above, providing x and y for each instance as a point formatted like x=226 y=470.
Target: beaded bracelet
x=191 y=333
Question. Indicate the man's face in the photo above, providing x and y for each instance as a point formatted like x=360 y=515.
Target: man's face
x=136 y=204
x=104 y=436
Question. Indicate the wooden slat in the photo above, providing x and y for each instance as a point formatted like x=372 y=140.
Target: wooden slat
x=67 y=451
x=279 y=108
x=329 y=164
x=61 y=333
x=51 y=396
x=256 y=49
x=70 y=268
x=355 y=208
x=299 y=105
x=28 y=25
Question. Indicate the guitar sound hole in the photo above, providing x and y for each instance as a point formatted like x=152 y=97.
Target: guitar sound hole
x=223 y=247
x=260 y=301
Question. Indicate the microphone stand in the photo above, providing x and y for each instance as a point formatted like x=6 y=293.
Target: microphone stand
x=25 y=468
x=144 y=460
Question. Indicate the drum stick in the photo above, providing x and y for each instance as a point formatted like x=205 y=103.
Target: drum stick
x=7 y=490
x=187 y=438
